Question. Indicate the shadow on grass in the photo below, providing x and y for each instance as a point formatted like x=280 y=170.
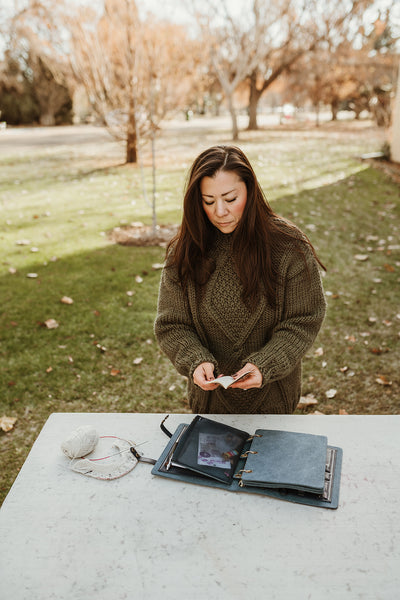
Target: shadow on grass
x=109 y=324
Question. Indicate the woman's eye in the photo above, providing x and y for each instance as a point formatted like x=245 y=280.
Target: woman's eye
x=211 y=202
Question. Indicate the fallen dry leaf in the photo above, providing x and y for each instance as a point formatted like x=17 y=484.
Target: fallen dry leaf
x=138 y=360
x=389 y=268
x=49 y=369
x=382 y=380
x=319 y=352
x=379 y=350
x=342 y=411
x=51 y=324
x=350 y=338
x=307 y=400
x=7 y=423
x=114 y=372
x=331 y=393
x=361 y=257
x=66 y=300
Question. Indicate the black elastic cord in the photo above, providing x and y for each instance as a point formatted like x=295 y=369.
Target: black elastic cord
x=164 y=429
x=135 y=453
x=141 y=458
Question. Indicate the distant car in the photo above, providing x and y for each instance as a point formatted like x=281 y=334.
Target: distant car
x=287 y=110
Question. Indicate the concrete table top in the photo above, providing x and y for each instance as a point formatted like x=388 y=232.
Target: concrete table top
x=64 y=536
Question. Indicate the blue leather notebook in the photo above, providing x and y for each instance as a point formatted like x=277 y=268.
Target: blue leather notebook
x=293 y=466
x=286 y=459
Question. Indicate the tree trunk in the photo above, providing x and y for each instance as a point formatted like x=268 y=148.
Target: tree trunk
x=153 y=164
x=254 y=97
x=131 y=151
x=131 y=140
x=47 y=119
x=232 y=111
x=334 y=109
x=317 y=114
x=395 y=145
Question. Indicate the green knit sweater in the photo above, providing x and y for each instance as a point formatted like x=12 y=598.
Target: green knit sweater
x=216 y=326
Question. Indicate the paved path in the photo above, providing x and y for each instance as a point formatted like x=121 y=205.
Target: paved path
x=22 y=138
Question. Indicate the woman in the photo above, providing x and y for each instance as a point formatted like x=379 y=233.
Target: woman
x=240 y=292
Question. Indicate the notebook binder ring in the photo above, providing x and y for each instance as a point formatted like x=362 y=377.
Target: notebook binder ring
x=246 y=454
x=239 y=473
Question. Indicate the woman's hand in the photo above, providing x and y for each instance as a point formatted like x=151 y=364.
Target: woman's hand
x=204 y=373
x=252 y=380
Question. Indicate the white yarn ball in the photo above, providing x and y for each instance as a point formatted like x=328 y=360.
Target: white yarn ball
x=80 y=442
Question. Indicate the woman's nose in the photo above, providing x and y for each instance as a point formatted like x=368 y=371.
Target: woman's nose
x=220 y=207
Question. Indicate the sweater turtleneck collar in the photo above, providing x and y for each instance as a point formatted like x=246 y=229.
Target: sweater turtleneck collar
x=223 y=240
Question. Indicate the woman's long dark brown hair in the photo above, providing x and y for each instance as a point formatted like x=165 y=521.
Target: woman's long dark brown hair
x=258 y=231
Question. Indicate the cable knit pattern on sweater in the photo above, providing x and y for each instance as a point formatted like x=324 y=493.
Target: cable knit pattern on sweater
x=216 y=326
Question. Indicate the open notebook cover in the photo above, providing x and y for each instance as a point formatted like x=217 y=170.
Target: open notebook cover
x=313 y=488
x=210 y=448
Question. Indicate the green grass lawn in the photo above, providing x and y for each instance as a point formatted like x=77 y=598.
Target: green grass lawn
x=57 y=207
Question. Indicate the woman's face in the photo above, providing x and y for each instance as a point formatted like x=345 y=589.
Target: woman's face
x=224 y=197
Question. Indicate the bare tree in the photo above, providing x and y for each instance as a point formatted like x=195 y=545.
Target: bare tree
x=32 y=44
x=168 y=60
x=263 y=40
x=234 y=40
x=103 y=56
x=293 y=29
x=287 y=34
x=359 y=76
x=134 y=70
x=130 y=66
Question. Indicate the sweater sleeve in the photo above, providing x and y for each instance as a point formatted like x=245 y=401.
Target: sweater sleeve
x=174 y=327
x=303 y=310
